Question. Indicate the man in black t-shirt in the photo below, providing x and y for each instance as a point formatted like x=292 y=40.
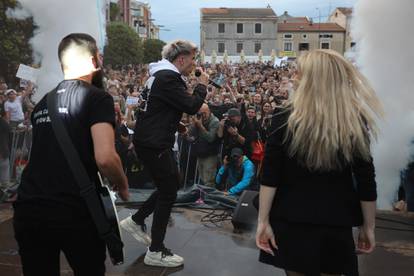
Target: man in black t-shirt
x=50 y=214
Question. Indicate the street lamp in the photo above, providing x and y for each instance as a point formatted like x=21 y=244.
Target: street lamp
x=319 y=28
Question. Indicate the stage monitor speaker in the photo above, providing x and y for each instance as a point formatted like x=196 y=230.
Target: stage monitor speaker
x=245 y=214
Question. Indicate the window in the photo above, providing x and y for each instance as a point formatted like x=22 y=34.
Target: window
x=325 y=45
x=304 y=36
x=287 y=46
x=325 y=36
x=221 y=28
x=239 y=47
x=239 y=28
x=353 y=44
x=287 y=36
x=221 y=47
x=257 y=47
x=303 y=46
x=258 y=28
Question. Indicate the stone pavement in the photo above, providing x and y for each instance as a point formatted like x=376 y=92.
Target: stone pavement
x=210 y=250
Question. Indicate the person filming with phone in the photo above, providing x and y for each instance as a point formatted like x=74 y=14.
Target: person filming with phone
x=206 y=143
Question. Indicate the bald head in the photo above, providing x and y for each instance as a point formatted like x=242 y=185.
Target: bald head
x=204 y=108
x=205 y=112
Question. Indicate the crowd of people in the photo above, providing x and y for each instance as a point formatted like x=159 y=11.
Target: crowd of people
x=237 y=114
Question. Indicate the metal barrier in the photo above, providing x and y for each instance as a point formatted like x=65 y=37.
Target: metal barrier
x=185 y=148
x=21 y=145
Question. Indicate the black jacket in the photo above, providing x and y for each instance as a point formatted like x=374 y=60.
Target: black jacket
x=304 y=196
x=166 y=100
x=4 y=139
x=230 y=142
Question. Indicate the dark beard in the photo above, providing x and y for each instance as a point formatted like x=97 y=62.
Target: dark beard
x=97 y=79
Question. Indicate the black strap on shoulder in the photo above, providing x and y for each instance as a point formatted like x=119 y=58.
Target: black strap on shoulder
x=87 y=187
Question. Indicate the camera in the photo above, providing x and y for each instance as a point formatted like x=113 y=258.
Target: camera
x=228 y=123
x=234 y=159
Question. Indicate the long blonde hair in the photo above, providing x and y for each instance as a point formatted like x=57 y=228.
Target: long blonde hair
x=333 y=112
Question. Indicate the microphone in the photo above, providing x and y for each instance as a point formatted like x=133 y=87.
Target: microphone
x=197 y=73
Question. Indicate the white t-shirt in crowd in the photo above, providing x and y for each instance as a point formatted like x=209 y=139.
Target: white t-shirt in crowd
x=175 y=147
x=15 y=109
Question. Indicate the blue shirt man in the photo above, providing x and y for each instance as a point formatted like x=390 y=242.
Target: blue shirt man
x=236 y=174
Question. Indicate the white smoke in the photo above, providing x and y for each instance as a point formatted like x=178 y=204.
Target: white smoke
x=383 y=32
x=19 y=14
x=55 y=19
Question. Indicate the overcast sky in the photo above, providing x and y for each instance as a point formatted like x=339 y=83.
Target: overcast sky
x=182 y=17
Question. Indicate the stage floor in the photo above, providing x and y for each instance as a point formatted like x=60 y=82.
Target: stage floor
x=218 y=251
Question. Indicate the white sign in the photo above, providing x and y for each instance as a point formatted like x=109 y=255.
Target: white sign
x=27 y=73
x=132 y=100
x=278 y=61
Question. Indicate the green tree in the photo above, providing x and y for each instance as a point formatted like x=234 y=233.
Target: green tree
x=14 y=42
x=124 y=45
x=114 y=11
x=152 y=50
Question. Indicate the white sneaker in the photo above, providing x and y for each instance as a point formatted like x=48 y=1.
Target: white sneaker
x=164 y=258
x=136 y=230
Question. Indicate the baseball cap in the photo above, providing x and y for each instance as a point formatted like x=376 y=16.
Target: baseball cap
x=233 y=112
x=10 y=91
x=236 y=152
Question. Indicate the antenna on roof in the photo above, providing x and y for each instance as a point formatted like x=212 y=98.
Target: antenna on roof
x=268 y=6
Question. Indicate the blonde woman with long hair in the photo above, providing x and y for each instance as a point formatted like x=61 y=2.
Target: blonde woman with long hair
x=318 y=175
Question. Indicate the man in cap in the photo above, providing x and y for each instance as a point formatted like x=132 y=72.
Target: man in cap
x=236 y=174
x=236 y=132
x=13 y=108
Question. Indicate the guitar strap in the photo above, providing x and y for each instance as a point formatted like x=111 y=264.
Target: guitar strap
x=87 y=188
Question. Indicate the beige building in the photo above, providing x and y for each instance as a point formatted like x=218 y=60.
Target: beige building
x=343 y=17
x=293 y=38
x=237 y=30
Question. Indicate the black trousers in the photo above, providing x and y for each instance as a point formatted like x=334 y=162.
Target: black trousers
x=164 y=172
x=40 y=245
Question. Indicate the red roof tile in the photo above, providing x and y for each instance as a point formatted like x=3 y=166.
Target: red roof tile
x=314 y=27
x=265 y=13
